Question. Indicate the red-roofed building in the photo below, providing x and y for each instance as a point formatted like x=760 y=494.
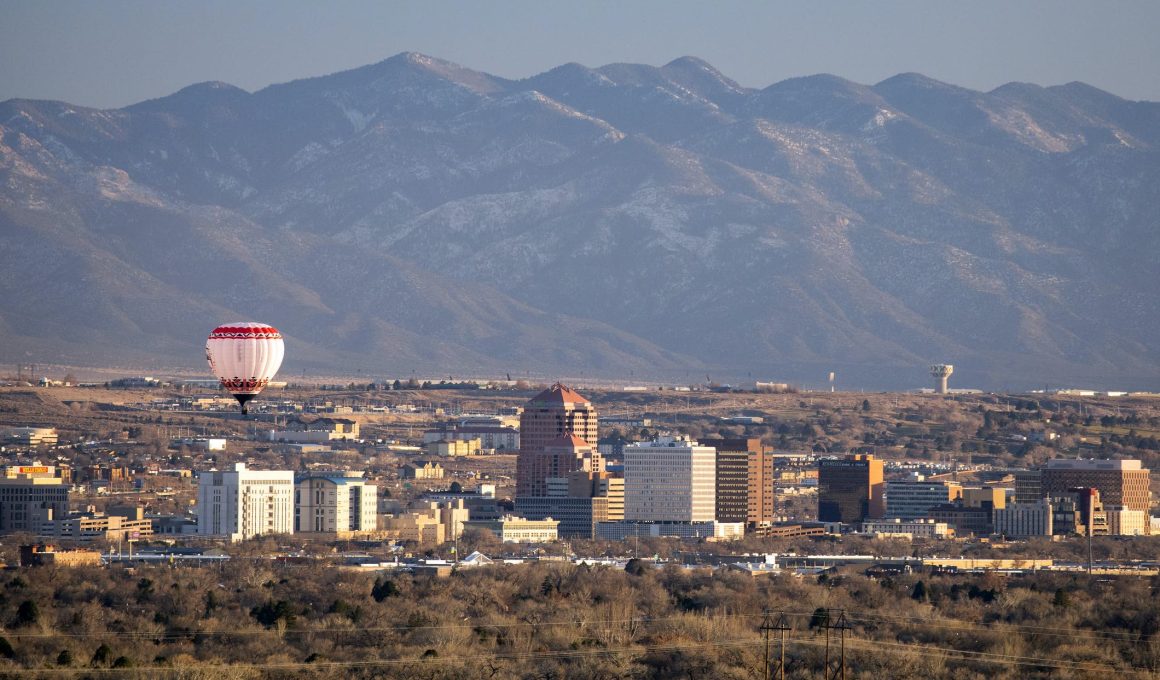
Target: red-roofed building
x=564 y=455
x=557 y=394
x=560 y=419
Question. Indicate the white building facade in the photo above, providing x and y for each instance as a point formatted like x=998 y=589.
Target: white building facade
x=339 y=503
x=1125 y=522
x=670 y=479
x=245 y=503
x=913 y=500
x=1022 y=520
x=619 y=531
x=919 y=528
x=510 y=529
x=500 y=438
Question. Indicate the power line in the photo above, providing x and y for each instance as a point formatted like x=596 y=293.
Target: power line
x=474 y=658
x=873 y=645
x=988 y=657
x=379 y=629
x=767 y=625
x=582 y=623
x=1038 y=630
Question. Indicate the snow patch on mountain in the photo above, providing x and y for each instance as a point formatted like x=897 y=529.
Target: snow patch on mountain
x=358 y=119
x=115 y=184
x=879 y=120
x=660 y=211
x=1022 y=126
x=311 y=153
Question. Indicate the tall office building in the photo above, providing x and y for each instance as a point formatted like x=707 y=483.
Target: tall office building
x=567 y=454
x=1021 y=520
x=554 y=413
x=744 y=481
x=670 y=479
x=339 y=504
x=579 y=502
x=850 y=489
x=913 y=500
x=245 y=503
x=30 y=496
x=762 y=492
x=1120 y=482
x=1079 y=512
x=1028 y=487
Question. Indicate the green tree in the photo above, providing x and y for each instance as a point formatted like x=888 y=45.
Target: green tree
x=637 y=567
x=211 y=603
x=384 y=588
x=344 y=608
x=27 y=614
x=919 y=593
x=144 y=590
x=269 y=613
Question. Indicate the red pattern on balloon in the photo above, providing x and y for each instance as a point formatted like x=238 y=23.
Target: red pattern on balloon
x=245 y=332
x=243 y=385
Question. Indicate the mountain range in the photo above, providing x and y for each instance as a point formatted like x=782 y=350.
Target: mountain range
x=417 y=216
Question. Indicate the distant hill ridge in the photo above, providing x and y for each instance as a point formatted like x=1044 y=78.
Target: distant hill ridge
x=662 y=222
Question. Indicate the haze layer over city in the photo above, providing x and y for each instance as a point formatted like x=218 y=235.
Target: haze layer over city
x=599 y=341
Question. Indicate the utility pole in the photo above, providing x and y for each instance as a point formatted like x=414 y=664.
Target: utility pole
x=782 y=626
x=766 y=626
x=838 y=672
x=826 y=661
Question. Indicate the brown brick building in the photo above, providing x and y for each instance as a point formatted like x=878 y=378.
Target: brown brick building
x=550 y=415
x=744 y=481
x=1121 y=483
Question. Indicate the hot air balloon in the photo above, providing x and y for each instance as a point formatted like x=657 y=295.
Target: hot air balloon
x=244 y=356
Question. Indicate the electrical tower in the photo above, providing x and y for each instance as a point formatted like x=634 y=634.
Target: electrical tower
x=782 y=626
x=31 y=373
x=836 y=670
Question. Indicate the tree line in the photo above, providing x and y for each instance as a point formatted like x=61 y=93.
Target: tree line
x=252 y=618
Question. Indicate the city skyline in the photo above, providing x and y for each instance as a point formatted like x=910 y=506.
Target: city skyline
x=578 y=303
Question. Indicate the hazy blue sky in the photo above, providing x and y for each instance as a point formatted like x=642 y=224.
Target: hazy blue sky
x=115 y=52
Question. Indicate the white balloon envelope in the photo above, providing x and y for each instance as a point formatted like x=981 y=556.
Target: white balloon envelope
x=244 y=356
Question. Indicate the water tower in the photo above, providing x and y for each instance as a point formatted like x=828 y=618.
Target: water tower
x=941 y=372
